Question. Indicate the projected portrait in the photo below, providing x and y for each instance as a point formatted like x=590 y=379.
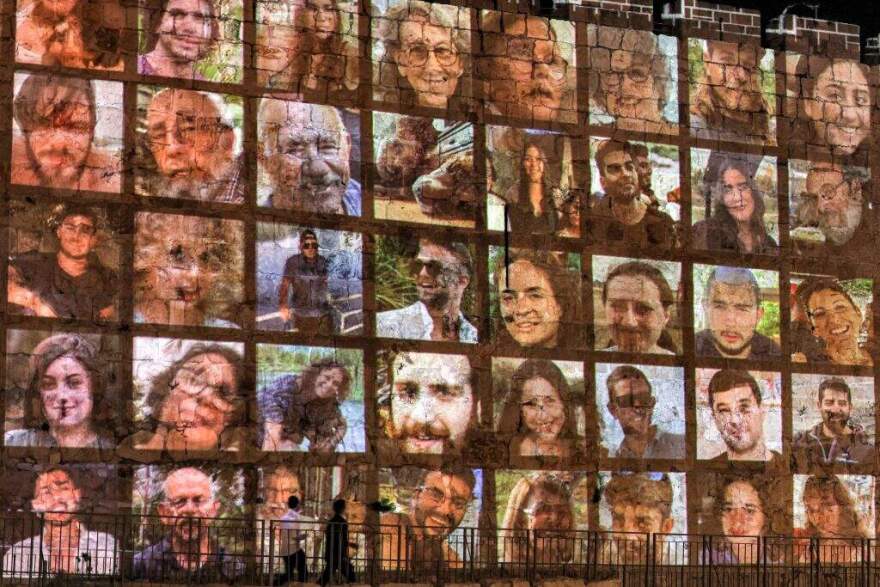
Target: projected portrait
x=61 y=390
x=734 y=202
x=636 y=195
x=539 y=408
x=635 y=308
x=641 y=410
x=421 y=55
x=181 y=509
x=738 y=510
x=426 y=402
x=736 y=312
x=310 y=398
x=633 y=80
x=532 y=177
x=733 y=91
x=830 y=320
x=308 y=157
x=66 y=133
x=309 y=280
x=423 y=289
x=191 y=40
x=188 y=396
x=832 y=421
x=634 y=505
x=839 y=509
x=739 y=416
x=429 y=506
x=189 y=145
x=188 y=270
x=527 y=67
x=307 y=46
x=424 y=170
x=535 y=298
x=64 y=261
x=831 y=210
x=537 y=514
x=66 y=530
x=828 y=103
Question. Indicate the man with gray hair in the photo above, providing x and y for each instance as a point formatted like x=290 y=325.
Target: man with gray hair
x=732 y=310
x=304 y=153
x=189 y=552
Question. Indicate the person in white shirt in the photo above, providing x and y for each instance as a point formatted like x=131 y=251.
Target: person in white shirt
x=293 y=535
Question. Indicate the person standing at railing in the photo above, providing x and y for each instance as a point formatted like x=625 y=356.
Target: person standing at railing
x=292 y=537
x=336 y=547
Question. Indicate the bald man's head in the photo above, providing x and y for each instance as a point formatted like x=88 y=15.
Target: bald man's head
x=305 y=152
x=188 y=493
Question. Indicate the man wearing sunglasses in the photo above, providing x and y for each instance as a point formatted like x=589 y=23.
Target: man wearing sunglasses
x=442 y=273
x=631 y=402
x=71 y=282
x=303 y=293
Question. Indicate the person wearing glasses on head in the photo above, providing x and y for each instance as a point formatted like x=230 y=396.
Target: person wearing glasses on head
x=539 y=521
x=442 y=273
x=69 y=283
x=303 y=293
x=425 y=54
x=631 y=402
x=178 y=34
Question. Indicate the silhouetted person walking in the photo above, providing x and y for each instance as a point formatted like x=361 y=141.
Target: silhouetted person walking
x=336 y=547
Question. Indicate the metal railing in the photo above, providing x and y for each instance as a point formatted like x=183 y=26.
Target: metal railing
x=143 y=550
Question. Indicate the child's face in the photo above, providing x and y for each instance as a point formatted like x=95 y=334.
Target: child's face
x=329 y=383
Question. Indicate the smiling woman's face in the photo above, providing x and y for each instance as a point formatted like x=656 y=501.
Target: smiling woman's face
x=840 y=107
x=529 y=307
x=835 y=319
x=66 y=392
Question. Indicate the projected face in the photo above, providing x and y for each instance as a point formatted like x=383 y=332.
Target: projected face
x=66 y=393
x=629 y=87
x=739 y=418
x=733 y=314
x=835 y=319
x=824 y=513
x=529 y=308
x=279 y=484
x=429 y=61
x=742 y=513
x=185 y=31
x=60 y=145
x=839 y=203
x=439 y=275
x=835 y=408
x=330 y=383
x=55 y=496
x=632 y=404
x=730 y=73
x=439 y=505
x=533 y=163
x=638 y=518
x=840 y=107
x=189 y=504
x=737 y=195
x=635 y=314
x=619 y=178
x=321 y=17
x=543 y=412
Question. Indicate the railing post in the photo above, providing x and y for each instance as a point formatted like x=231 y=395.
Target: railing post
x=705 y=559
x=649 y=556
x=814 y=560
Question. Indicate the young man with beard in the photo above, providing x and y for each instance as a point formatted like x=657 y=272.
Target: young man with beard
x=631 y=402
x=833 y=200
x=735 y=400
x=189 y=551
x=193 y=148
x=305 y=276
x=442 y=273
x=70 y=283
x=836 y=440
x=179 y=34
x=418 y=538
x=732 y=307
x=623 y=215
x=57 y=117
x=728 y=104
x=305 y=152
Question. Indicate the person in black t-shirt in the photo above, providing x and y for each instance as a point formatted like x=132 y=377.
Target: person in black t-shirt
x=70 y=283
x=305 y=281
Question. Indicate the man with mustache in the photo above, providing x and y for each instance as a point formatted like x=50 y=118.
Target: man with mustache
x=305 y=276
x=525 y=74
x=430 y=403
x=188 y=552
x=623 y=215
x=735 y=400
x=193 y=148
x=638 y=304
x=418 y=538
x=836 y=440
x=66 y=545
x=70 y=283
x=732 y=307
x=833 y=200
x=179 y=33
x=305 y=152
x=57 y=117
x=631 y=402
x=442 y=272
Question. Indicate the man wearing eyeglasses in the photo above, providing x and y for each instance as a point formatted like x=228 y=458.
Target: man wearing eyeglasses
x=192 y=149
x=305 y=277
x=179 y=33
x=525 y=74
x=189 y=552
x=57 y=118
x=631 y=402
x=71 y=282
x=419 y=537
x=442 y=272
x=735 y=401
x=833 y=203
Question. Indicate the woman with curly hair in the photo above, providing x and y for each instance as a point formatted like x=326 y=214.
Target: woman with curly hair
x=538 y=417
x=538 y=522
x=831 y=516
x=65 y=404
